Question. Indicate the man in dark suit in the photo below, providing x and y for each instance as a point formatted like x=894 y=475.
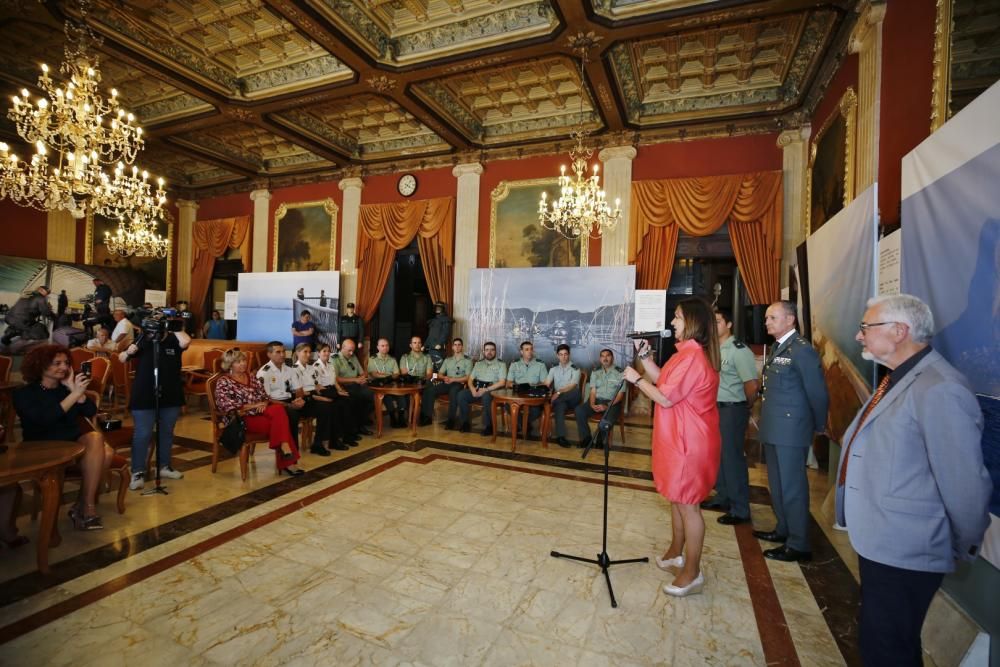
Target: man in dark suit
x=793 y=408
x=911 y=486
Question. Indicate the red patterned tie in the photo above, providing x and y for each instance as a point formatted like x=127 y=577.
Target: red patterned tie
x=876 y=397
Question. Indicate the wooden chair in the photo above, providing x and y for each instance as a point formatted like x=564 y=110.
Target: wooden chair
x=100 y=374
x=78 y=355
x=121 y=386
x=196 y=382
x=246 y=451
x=5 y=365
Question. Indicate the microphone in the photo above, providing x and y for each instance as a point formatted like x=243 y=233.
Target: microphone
x=663 y=333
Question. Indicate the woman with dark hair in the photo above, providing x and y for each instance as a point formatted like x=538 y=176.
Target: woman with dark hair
x=686 y=439
x=49 y=406
x=241 y=392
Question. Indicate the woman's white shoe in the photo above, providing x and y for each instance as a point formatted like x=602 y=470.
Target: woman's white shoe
x=670 y=564
x=683 y=591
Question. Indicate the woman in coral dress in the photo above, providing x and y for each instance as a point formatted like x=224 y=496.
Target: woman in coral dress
x=686 y=438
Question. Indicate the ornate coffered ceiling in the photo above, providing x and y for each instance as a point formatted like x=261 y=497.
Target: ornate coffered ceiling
x=239 y=92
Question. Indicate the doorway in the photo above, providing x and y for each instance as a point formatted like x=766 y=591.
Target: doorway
x=406 y=303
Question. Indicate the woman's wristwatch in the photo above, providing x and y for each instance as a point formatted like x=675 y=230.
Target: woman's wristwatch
x=645 y=353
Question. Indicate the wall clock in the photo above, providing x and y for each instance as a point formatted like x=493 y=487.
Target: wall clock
x=407 y=185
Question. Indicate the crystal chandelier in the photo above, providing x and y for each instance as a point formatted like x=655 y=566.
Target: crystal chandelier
x=76 y=132
x=582 y=209
x=136 y=238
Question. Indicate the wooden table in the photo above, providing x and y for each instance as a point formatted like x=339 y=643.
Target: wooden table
x=516 y=402
x=412 y=390
x=7 y=404
x=43 y=461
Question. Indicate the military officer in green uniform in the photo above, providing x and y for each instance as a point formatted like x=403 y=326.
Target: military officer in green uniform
x=351 y=326
x=487 y=375
x=354 y=379
x=450 y=379
x=793 y=409
x=416 y=366
x=605 y=393
x=382 y=365
x=737 y=389
x=564 y=380
x=527 y=371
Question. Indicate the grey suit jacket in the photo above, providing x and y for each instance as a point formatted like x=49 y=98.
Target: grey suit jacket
x=794 y=399
x=917 y=493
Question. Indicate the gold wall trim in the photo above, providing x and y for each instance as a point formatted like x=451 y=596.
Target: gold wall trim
x=941 y=76
x=329 y=206
x=847 y=108
x=501 y=192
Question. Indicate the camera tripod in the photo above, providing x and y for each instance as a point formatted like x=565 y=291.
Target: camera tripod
x=158 y=488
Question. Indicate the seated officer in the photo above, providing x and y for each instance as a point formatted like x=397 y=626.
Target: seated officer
x=282 y=384
x=527 y=371
x=564 y=380
x=325 y=376
x=414 y=366
x=487 y=375
x=451 y=379
x=337 y=412
x=605 y=394
x=354 y=379
x=383 y=365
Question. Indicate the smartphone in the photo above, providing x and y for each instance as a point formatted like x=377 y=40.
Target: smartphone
x=85 y=367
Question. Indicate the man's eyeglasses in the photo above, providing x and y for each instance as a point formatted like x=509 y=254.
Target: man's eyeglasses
x=865 y=326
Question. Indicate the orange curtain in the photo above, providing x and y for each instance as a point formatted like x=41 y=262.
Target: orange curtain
x=750 y=202
x=385 y=228
x=210 y=240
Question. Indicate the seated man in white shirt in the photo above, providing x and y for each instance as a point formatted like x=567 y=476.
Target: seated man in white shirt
x=123 y=334
x=102 y=345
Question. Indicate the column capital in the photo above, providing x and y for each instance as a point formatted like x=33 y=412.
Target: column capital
x=467 y=168
x=870 y=15
x=353 y=182
x=616 y=153
x=260 y=194
x=187 y=205
x=794 y=136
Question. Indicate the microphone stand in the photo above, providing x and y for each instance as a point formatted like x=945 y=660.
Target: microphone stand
x=603 y=560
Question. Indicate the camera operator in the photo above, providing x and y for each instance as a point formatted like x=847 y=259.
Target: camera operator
x=159 y=327
x=24 y=317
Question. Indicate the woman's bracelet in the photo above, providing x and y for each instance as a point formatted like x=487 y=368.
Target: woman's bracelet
x=645 y=353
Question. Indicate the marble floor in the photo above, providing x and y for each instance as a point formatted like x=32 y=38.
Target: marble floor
x=426 y=551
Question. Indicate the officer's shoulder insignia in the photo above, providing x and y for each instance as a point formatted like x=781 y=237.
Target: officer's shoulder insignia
x=267 y=366
x=617 y=369
x=572 y=366
x=739 y=344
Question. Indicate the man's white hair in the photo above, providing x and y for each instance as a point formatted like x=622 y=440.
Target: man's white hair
x=909 y=310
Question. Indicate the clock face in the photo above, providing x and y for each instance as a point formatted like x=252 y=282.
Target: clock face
x=407 y=184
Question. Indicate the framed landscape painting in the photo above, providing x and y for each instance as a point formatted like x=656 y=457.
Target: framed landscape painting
x=830 y=174
x=305 y=236
x=516 y=238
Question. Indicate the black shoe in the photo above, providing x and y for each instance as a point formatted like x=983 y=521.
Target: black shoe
x=364 y=430
x=293 y=473
x=340 y=447
x=319 y=451
x=348 y=439
x=464 y=428
x=449 y=425
x=787 y=554
x=732 y=520
x=770 y=536
x=712 y=505
x=563 y=442
x=425 y=420
x=488 y=431
x=287 y=455
x=583 y=444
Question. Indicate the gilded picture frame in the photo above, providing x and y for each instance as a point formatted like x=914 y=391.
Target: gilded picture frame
x=516 y=238
x=305 y=236
x=831 y=168
x=159 y=271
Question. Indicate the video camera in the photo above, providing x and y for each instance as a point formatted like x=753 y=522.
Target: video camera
x=160 y=320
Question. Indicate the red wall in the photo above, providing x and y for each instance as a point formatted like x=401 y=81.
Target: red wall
x=907 y=69
x=846 y=76
x=707 y=157
x=23 y=231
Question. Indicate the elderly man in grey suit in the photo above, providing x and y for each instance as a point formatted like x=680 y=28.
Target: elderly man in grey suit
x=911 y=486
x=794 y=406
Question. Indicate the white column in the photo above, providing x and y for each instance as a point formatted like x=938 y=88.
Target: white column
x=261 y=226
x=60 y=237
x=795 y=151
x=617 y=184
x=351 y=187
x=866 y=41
x=187 y=214
x=466 y=238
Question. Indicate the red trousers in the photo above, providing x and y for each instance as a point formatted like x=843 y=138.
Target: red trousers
x=273 y=422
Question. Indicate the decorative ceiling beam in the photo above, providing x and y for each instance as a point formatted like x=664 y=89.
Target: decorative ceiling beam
x=321 y=149
x=231 y=164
